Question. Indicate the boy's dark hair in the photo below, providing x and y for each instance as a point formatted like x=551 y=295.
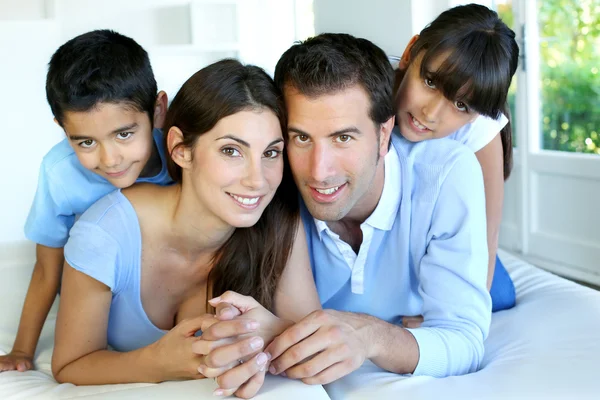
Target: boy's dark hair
x=252 y=260
x=331 y=62
x=481 y=57
x=100 y=66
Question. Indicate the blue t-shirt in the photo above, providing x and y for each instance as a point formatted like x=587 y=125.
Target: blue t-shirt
x=106 y=244
x=66 y=189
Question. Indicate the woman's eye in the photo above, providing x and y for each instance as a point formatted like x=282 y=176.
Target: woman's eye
x=461 y=106
x=124 y=135
x=86 y=143
x=230 y=151
x=272 y=153
x=429 y=83
x=343 y=138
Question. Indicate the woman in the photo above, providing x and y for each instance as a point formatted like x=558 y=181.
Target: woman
x=141 y=263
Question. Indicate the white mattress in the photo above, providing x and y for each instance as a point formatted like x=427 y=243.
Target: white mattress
x=547 y=347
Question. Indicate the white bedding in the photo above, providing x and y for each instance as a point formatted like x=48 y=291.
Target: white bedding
x=547 y=347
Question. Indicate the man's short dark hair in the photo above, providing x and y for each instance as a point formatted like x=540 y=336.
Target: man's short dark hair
x=331 y=62
x=100 y=66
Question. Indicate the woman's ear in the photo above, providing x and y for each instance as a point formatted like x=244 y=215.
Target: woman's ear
x=160 y=109
x=405 y=60
x=180 y=153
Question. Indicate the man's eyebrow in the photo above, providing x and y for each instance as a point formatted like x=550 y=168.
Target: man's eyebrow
x=350 y=129
x=120 y=129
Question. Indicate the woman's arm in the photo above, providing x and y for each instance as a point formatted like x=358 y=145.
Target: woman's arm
x=492 y=165
x=296 y=295
x=80 y=355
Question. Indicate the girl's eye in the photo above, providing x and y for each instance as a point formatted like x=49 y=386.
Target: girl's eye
x=230 y=151
x=429 y=83
x=86 y=144
x=272 y=153
x=124 y=135
x=343 y=138
x=461 y=106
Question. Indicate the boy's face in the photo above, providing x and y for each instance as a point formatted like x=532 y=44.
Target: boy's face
x=335 y=150
x=422 y=111
x=113 y=140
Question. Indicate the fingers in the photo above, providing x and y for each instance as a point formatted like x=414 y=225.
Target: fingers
x=252 y=386
x=299 y=352
x=227 y=354
x=7 y=365
x=242 y=303
x=225 y=311
x=333 y=373
x=412 y=322
x=238 y=376
x=189 y=327
x=204 y=347
x=290 y=337
x=320 y=362
x=227 y=329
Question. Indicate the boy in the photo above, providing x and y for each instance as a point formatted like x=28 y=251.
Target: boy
x=102 y=92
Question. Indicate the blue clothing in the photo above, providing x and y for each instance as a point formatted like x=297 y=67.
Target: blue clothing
x=503 y=289
x=106 y=244
x=66 y=189
x=424 y=252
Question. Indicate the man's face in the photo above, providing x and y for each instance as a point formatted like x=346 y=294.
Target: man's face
x=334 y=150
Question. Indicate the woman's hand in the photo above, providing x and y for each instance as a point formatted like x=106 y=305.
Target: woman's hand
x=16 y=360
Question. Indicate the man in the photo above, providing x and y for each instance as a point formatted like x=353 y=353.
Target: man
x=394 y=228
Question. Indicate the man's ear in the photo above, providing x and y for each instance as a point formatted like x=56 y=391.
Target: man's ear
x=405 y=60
x=385 y=135
x=180 y=153
x=160 y=109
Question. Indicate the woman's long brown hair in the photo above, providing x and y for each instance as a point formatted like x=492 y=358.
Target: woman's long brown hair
x=252 y=260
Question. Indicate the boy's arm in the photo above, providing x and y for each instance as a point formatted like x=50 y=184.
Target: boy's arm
x=40 y=296
x=492 y=165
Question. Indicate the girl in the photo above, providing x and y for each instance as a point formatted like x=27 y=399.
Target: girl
x=142 y=262
x=452 y=81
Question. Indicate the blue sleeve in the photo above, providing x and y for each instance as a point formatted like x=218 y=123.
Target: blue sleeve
x=452 y=277
x=51 y=216
x=94 y=252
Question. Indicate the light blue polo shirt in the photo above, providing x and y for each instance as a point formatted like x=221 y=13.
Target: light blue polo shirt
x=424 y=252
x=66 y=189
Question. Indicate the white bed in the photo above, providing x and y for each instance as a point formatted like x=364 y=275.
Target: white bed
x=547 y=347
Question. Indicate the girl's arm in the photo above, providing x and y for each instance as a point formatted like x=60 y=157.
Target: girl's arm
x=491 y=160
x=80 y=351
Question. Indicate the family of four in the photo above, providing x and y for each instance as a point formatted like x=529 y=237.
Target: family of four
x=343 y=211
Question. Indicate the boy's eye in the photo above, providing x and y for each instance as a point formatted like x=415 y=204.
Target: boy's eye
x=272 y=153
x=87 y=143
x=124 y=135
x=429 y=83
x=461 y=106
x=343 y=138
x=230 y=151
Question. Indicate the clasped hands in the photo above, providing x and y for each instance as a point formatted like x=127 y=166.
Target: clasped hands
x=322 y=347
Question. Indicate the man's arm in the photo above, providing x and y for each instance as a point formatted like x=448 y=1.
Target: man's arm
x=42 y=291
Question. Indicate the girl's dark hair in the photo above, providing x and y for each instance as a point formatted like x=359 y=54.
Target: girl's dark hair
x=252 y=260
x=480 y=57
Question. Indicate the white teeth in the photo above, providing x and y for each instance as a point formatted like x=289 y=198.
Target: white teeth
x=245 y=200
x=418 y=124
x=328 y=191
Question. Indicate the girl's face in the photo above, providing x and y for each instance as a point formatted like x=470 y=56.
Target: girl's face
x=422 y=111
x=237 y=166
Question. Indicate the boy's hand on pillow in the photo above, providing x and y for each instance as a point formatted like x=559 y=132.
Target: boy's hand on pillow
x=16 y=360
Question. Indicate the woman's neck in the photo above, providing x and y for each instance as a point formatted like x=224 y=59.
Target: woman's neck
x=194 y=230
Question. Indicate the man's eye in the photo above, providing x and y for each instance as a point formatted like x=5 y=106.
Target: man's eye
x=429 y=83
x=124 y=135
x=343 y=138
x=302 y=138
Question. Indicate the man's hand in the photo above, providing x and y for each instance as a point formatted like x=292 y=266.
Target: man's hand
x=324 y=346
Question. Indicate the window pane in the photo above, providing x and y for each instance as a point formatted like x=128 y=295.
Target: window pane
x=570 y=74
x=504 y=8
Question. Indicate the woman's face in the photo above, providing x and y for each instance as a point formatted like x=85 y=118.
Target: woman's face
x=238 y=165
